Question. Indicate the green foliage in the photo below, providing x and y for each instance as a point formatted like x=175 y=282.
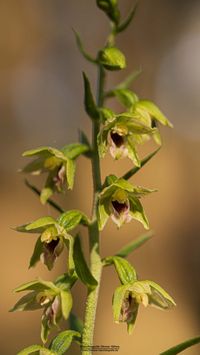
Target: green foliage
x=180 y=347
x=120 y=134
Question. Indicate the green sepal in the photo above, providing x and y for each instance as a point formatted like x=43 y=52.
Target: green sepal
x=112 y=58
x=81 y=266
x=36 y=253
x=183 y=346
x=65 y=281
x=37 y=285
x=106 y=115
x=137 y=212
x=135 y=244
x=102 y=213
x=61 y=343
x=36 y=350
x=70 y=169
x=128 y=20
x=90 y=106
x=74 y=150
x=38 y=226
x=126 y=97
x=124 y=269
x=81 y=48
x=44 y=152
x=159 y=297
x=26 y=303
x=75 y=323
x=153 y=111
x=110 y=7
x=66 y=303
x=70 y=219
x=117 y=301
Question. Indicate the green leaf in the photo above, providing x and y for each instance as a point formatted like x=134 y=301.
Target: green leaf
x=112 y=58
x=81 y=267
x=90 y=106
x=84 y=140
x=153 y=110
x=144 y=161
x=36 y=253
x=81 y=48
x=180 y=347
x=66 y=303
x=70 y=173
x=75 y=323
x=31 y=349
x=135 y=244
x=159 y=297
x=128 y=81
x=125 y=270
x=38 y=192
x=129 y=19
x=37 y=285
x=110 y=7
x=70 y=219
x=61 y=343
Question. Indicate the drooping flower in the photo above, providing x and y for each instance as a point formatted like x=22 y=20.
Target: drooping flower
x=120 y=135
x=54 y=235
x=59 y=164
x=120 y=201
x=128 y=297
x=54 y=298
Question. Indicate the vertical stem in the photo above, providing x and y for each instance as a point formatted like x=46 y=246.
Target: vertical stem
x=95 y=259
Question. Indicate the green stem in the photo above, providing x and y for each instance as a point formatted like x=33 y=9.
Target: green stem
x=95 y=259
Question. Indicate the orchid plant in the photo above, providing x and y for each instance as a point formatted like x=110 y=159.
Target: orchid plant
x=118 y=134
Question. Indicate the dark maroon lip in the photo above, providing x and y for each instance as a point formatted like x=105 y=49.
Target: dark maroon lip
x=52 y=245
x=120 y=207
x=117 y=139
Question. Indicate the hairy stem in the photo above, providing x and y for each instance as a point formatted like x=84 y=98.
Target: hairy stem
x=95 y=259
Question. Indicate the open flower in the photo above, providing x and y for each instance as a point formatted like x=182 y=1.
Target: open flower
x=120 y=201
x=59 y=164
x=54 y=298
x=54 y=235
x=120 y=135
x=127 y=298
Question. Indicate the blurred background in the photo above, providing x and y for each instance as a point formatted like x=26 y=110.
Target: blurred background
x=41 y=95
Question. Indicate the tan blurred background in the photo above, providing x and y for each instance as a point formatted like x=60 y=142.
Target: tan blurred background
x=41 y=103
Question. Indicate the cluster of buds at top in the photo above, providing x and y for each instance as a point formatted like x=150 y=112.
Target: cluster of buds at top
x=59 y=164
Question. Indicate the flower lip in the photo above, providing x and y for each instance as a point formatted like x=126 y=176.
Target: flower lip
x=118 y=139
x=120 y=207
x=128 y=308
x=52 y=245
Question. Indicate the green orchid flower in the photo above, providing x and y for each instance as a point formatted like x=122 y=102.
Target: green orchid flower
x=127 y=299
x=120 y=200
x=54 y=298
x=120 y=134
x=59 y=164
x=54 y=235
